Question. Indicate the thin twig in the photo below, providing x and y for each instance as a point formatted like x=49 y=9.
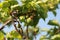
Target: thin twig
x=4 y=38
x=35 y=37
x=27 y=32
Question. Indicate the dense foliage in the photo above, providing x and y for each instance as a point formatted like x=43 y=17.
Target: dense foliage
x=29 y=13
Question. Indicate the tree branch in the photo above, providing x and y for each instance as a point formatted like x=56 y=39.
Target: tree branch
x=3 y=26
x=19 y=31
x=16 y=28
x=24 y=14
x=20 y=27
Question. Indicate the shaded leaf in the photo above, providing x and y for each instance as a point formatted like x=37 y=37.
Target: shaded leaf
x=3 y=32
x=54 y=12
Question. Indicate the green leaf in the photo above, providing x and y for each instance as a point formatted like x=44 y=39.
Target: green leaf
x=13 y=34
x=13 y=2
x=6 y=4
x=0 y=5
x=10 y=38
x=22 y=18
x=43 y=12
x=15 y=7
x=1 y=36
x=56 y=37
x=54 y=12
x=35 y=21
x=3 y=32
x=43 y=37
x=53 y=22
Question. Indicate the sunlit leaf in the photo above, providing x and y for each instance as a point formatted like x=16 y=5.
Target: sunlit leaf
x=53 y=22
x=0 y=5
x=1 y=36
x=13 y=34
x=56 y=37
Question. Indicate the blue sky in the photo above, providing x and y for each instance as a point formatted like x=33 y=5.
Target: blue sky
x=42 y=23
